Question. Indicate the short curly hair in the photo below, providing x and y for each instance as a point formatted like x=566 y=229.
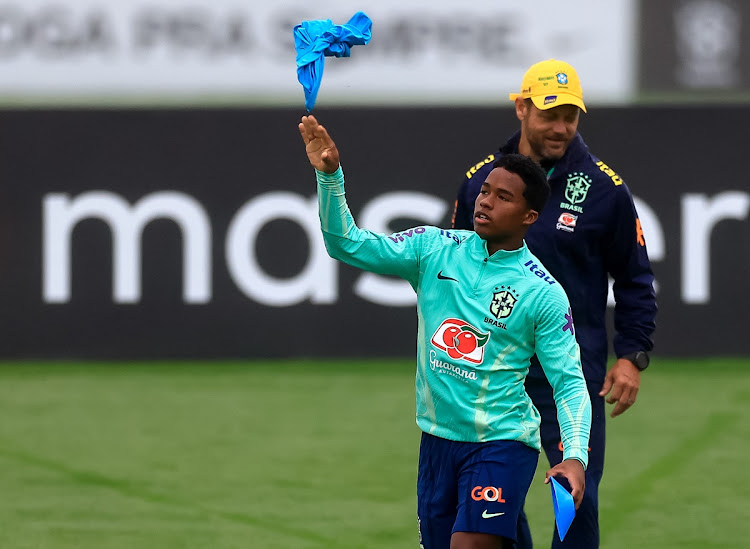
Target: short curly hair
x=537 y=189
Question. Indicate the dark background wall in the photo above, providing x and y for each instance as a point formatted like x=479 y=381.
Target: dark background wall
x=694 y=48
x=225 y=159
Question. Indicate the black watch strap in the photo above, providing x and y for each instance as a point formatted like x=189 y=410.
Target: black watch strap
x=639 y=358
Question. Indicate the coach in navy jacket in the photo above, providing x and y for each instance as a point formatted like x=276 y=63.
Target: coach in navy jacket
x=588 y=230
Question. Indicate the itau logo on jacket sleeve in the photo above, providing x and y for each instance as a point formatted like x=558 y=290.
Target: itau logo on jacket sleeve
x=460 y=340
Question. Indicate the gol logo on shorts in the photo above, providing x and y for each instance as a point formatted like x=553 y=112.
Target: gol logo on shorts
x=489 y=493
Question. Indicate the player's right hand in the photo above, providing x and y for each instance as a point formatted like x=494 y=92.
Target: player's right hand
x=321 y=150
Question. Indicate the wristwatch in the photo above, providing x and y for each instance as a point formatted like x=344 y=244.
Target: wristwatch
x=639 y=358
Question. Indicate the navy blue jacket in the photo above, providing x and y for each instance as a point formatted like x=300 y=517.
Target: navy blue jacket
x=588 y=229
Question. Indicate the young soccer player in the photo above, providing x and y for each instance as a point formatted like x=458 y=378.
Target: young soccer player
x=485 y=306
x=589 y=233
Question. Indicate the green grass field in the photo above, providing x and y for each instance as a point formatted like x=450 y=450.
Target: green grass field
x=302 y=454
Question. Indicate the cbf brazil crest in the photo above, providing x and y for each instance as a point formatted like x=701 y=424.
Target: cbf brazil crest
x=503 y=302
x=577 y=188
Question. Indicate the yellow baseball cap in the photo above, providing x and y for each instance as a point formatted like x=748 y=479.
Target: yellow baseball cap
x=551 y=83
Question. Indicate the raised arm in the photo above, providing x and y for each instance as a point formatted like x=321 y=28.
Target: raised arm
x=374 y=252
x=321 y=150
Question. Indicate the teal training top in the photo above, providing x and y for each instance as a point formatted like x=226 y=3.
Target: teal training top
x=481 y=318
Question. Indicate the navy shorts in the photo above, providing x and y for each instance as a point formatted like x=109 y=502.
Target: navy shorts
x=471 y=487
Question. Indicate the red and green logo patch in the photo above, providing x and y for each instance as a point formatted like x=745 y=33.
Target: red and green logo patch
x=460 y=340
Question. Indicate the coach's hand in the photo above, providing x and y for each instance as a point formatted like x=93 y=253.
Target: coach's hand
x=321 y=150
x=572 y=471
x=622 y=383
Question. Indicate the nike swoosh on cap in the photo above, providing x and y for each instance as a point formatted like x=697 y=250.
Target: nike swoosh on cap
x=441 y=276
x=485 y=514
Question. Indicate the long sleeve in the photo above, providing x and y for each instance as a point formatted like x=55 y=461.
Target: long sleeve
x=374 y=252
x=628 y=263
x=560 y=358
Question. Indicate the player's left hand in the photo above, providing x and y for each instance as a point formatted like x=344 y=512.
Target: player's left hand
x=622 y=383
x=572 y=471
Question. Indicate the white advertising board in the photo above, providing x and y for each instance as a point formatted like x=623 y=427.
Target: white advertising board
x=421 y=52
